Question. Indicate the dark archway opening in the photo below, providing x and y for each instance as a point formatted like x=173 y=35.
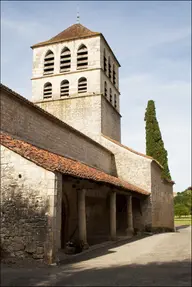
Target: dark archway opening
x=121 y=214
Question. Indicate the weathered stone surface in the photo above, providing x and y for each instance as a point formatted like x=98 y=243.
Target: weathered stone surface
x=25 y=206
x=50 y=134
x=30 y=248
x=40 y=250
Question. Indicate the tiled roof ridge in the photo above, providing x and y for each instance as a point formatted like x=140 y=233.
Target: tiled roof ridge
x=72 y=32
x=138 y=153
x=53 y=162
x=70 y=28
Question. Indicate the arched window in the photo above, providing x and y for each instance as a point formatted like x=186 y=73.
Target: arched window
x=49 y=63
x=64 y=92
x=82 y=57
x=82 y=85
x=110 y=98
x=65 y=60
x=114 y=75
x=104 y=62
x=47 y=91
x=109 y=67
x=115 y=101
x=105 y=89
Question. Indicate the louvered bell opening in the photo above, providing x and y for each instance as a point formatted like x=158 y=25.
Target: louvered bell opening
x=115 y=101
x=110 y=98
x=82 y=58
x=114 y=78
x=82 y=87
x=47 y=92
x=105 y=64
x=65 y=89
x=65 y=61
x=109 y=71
x=105 y=90
x=49 y=64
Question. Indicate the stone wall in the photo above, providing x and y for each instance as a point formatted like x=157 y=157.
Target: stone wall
x=146 y=209
x=110 y=120
x=138 y=223
x=94 y=73
x=90 y=114
x=97 y=213
x=93 y=84
x=24 y=120
x=82 y=113
x=113 y=61
x=28 y=203
x=92 y=44
x=130 y=166
x=162 y=201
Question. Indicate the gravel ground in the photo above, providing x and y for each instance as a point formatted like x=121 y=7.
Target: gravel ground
x=158 y=260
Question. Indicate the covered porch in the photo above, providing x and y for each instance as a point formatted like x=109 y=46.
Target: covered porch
x=96 y=212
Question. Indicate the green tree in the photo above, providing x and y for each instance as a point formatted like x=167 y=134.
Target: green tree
x=184 y=198
x=180 y=209
x=154 y=143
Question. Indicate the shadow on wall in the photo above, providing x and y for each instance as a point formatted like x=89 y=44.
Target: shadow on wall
x=24 y=225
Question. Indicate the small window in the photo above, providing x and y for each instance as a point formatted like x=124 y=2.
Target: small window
x=105 y=89
x=115 y=101
x=49 y=63
x=82 y=85
x=109 y=67
x=47 y=91
x=114 y=75
x=82 y=57
x=105 y=62
x=64 y=88
x=110 y=96
x=65 y=60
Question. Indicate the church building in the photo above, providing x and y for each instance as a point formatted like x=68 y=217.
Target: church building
x=64 y=172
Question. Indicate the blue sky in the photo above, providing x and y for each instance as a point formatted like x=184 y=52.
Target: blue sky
x=151 y=40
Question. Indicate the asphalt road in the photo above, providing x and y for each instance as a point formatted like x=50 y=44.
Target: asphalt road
x=158 y=260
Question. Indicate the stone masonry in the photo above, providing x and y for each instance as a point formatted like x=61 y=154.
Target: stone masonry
x=29 y=196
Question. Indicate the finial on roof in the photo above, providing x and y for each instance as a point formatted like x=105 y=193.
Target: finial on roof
x=78 y=17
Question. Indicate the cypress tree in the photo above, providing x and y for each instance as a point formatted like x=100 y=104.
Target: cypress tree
x=154 y=143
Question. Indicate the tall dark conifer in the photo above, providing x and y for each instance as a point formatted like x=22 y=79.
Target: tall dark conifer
x=154 y=143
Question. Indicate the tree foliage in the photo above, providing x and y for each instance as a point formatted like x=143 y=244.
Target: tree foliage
x=181 y=209
x=154 y=143
x=183 y=199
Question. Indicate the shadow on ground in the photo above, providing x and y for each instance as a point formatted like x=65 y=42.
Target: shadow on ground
x=101 y=251
x=152 y=274
x=149 y=273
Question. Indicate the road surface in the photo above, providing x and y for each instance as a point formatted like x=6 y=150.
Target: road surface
x=158 y=260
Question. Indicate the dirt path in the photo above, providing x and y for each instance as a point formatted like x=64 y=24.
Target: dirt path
x=158 y=260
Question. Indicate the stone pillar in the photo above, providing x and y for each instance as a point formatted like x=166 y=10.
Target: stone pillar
x=113 y=215
x=129 y=216
x=82 y=217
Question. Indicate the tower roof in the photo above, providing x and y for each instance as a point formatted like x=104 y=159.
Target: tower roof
x=76 y=31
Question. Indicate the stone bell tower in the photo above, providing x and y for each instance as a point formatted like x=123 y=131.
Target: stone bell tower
x=76 y=78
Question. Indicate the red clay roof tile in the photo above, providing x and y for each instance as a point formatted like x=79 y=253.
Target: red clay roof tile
x=75 y=31
x=54 y=162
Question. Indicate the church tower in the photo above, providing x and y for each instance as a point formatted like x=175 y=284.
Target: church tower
x=76 y=78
